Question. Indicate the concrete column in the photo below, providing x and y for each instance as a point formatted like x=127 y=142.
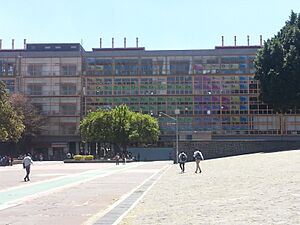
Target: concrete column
x=85 y=150
x=77 y=147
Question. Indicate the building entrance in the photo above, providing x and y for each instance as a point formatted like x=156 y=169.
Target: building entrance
x=58 y=153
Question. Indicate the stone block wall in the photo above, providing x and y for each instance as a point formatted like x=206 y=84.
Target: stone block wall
x=217 y=149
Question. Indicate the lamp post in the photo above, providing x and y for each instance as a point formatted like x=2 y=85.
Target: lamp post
x=177 y=112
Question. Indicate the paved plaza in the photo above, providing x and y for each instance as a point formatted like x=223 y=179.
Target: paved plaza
x=249 y=189
x=61 y=193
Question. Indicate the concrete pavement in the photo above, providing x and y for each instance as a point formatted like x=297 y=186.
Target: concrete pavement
x=249 y=189
x=68 y=193
x=255 y=189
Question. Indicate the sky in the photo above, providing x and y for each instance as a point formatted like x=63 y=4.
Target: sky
x=159 y=24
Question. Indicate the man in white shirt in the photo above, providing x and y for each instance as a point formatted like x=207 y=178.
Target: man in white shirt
x=198 y=157
x=27 y=161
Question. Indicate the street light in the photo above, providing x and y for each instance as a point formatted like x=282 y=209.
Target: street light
x=177 y=112
x=84 y=98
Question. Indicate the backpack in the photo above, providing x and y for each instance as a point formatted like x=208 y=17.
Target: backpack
x=183 y=157
x=198 y=156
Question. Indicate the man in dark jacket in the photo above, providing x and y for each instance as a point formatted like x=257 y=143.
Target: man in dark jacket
x=182 y=158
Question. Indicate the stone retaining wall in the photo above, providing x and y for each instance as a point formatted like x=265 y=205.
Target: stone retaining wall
x=217 y=149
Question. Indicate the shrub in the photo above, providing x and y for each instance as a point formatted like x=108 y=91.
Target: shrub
x=89 y=157
x=78 y=157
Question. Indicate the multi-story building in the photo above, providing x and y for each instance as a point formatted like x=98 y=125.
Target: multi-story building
x=213 y=92
x=50 y=74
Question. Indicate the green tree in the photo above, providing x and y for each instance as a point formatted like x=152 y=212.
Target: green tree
x=278 y=67
x=96 y=127
x=119 y=126
x=144 y=129
x=11 y=123
x=33 y=120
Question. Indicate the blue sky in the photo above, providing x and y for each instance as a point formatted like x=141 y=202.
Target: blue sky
x=159 y=24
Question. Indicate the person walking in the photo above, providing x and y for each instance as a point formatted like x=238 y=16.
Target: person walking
x=117 y=158
x=198 y=157
x=182 y=158
x=124 y=158
x=41 y=157
x=11 y=159
x=27 y=161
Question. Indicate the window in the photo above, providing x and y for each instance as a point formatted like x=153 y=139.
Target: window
x=233 y=59
x=68 y=70
x=10 y=85
x=35 y=69
x=68 y=89
x=68 y=109
x=146 y=67
x=159 y=67
x=38 y=107
x=68 y=128
x=96 y=66
x=179 y=67
x=34 y=89
x=7 y=67
x=127 y=66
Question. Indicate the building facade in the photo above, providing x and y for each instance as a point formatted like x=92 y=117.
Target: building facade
x=213 y=92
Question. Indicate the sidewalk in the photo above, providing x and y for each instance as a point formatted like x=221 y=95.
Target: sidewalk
x=259 y=188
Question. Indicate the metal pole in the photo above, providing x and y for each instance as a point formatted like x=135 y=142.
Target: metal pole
x=176 y=132
x=177 y=112
x=177 y=139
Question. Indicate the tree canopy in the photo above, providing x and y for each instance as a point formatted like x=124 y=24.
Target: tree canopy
x=278 y=67
x=31 y=118
x=119 y=126
x=11 y=123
